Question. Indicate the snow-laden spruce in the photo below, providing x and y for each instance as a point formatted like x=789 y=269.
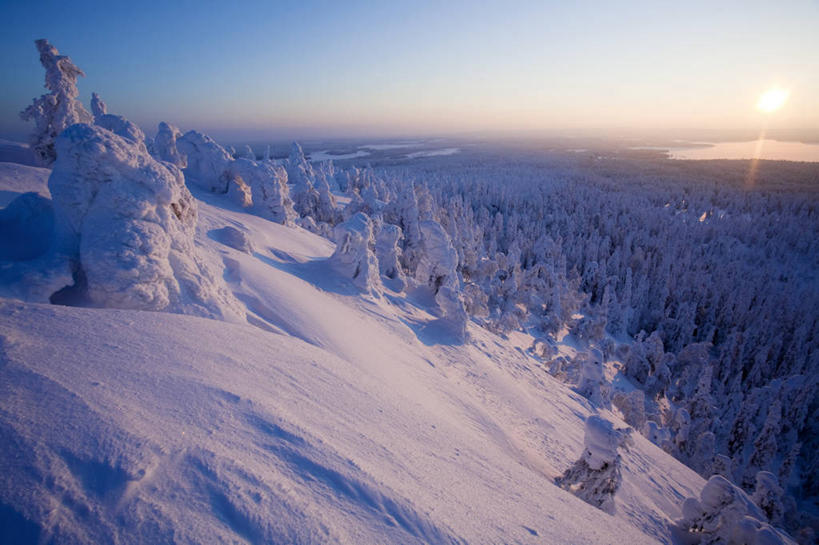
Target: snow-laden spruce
x=592 y=384
x=354 y=257
x=300 y=175
x=724 y=514
x=596 y=476
x=437 y=271
x=98 y=107
x=388 y=252
x=164 y=148
x=267 y=185
x=207 y=161
x=58 y=109
x=129 y=223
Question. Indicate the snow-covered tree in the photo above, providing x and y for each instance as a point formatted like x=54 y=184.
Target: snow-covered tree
x=207 y=161
x=267 y=183
x=129 y=221
x=592 y=383
x=98 y=107
x=248 y=153
x=724 y=514
x=388 y=251
x=596 y=476
x=53 y=112
x=354 y=257
x=164 y=147
x=768 y=497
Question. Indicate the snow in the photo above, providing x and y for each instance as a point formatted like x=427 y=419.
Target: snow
x=16 y=152
x=325 y=155
x=390 y=146
x=328 y=417
x=19 y=179
x=433 y=153
x=685 y=290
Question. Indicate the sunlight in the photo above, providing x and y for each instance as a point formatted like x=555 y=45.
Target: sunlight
x=772 y=100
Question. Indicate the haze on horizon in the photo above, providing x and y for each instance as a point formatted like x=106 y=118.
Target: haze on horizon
x=294 y=69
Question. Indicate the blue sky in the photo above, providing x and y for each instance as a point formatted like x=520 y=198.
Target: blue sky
x=386 y=68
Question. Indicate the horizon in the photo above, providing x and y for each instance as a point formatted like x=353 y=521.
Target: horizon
x=329 y=71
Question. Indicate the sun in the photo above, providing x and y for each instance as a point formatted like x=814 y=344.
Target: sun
x=772 y=99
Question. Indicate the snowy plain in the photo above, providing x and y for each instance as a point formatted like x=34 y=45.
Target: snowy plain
x=329 y=417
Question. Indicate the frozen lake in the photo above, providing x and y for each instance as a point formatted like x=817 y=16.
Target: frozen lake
x=761 y=149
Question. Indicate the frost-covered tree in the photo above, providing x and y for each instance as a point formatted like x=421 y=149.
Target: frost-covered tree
x=58 y=109
x=301 y=177
x=128 y=222
x=267 y=185
x=596 y=476
x=768 y=497
x=164 y=147
x=388 y=251
x=248 y=153
x=207 y=161
x=724 y=514
x=632 y=405
x=354 y=257
x=98 y=107
x=592 y=383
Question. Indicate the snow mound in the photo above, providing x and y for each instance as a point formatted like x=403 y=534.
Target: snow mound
x=122 y=127
x=27 y=225
x=16 y=152
x=16 y=179
x=234 y=238
x=130 y=223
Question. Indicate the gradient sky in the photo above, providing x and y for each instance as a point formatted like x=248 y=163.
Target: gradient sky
x=398 y=68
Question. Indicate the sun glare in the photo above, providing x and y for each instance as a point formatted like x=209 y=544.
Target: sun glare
x=772 y=99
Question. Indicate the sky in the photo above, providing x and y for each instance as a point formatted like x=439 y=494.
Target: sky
x=390 y=68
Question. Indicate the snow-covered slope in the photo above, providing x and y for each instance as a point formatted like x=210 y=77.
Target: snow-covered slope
x=332 y=416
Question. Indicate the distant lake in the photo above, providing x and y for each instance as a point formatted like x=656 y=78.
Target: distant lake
x=764 y=149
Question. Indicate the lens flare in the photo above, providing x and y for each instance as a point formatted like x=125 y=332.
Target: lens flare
x=772 y=99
